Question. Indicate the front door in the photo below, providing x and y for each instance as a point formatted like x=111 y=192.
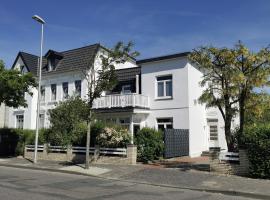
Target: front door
x=213 y=132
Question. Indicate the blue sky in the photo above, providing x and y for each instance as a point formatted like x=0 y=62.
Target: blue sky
x=157 y=27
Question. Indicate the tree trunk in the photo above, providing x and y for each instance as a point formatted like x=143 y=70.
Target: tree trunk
x=88 y=140
x=241 y=116
x=228 y=133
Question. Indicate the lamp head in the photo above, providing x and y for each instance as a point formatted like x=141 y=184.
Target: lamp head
x=38 y=19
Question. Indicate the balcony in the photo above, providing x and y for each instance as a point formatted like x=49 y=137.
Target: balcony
x=122 y=101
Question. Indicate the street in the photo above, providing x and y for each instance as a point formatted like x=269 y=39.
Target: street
x=17 y=184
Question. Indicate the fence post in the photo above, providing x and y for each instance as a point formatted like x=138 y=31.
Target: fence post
x=132 y=154
x=69 y=153
x=45 y=150
x=96 y=153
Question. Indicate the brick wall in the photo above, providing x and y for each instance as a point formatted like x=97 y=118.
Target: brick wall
x=225 y=167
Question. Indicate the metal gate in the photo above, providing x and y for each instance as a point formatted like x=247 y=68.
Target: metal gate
x=176 y=142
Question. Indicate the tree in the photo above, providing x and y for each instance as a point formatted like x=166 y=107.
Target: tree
x=13 y=86
x=68 y=122
x=251 y=70
x=216 y=65
x=230 y=77
x=104 y=79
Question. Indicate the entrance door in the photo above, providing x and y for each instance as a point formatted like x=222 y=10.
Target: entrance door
x=136 y=128
x=213 y=132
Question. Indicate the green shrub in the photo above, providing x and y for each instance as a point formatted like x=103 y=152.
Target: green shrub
x=150 y=144
x=113 y=137
x=13 y=141
x=257 y=141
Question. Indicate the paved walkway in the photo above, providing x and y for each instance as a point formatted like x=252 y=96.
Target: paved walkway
x=170 y=177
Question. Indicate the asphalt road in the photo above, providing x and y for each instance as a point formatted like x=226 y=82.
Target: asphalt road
x=22 y=184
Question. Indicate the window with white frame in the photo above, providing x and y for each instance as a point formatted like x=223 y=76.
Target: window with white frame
x=23 y=69
x=164 y=123
x=78 y=87
x=164 y=86
x=124 y=122
x=41 y=120
x=53 y=92
x=126 y=89
x=65 y=90
x=42 y=93
x=19 y=121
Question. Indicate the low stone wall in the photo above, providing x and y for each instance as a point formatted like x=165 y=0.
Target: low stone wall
x=231 y=168
x=69 y=156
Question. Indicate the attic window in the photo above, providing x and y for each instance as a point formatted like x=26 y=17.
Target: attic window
x=23 y=69
x=51 y=64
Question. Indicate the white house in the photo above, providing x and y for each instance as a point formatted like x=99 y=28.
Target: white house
x=160 y=92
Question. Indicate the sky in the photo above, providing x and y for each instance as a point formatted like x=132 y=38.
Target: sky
x=157 y=27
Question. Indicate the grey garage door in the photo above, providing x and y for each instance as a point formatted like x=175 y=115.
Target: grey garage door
x=176 y=142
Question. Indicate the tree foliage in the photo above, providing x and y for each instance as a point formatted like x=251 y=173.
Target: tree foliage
x=230 y=76
x=68 y=122
x=14 y=85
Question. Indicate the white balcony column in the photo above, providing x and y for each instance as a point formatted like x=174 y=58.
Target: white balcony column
x=131 y=129
x=137 y=84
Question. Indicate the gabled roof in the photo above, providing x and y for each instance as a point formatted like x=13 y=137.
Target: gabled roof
x=165 y=57
x=74 y=59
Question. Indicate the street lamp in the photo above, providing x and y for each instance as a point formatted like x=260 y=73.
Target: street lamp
x=42 y=22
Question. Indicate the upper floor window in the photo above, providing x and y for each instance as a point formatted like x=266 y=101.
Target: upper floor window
x=65 y=90
x=42 y=93
x=53 y=92
x=41 y=120
x=51 y=64
x=164 y=86
x=126 y=89
x=78 y=87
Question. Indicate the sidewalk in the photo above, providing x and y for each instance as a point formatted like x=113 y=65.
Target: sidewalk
x=168 y=177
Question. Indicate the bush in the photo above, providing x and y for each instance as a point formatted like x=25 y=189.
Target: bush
x=113 y=137
x=13 y=141
x=150 y=144
x=257 y=141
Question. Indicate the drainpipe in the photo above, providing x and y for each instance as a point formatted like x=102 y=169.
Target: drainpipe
x=137 y=84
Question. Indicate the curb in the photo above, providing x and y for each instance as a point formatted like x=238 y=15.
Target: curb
x=224 y=192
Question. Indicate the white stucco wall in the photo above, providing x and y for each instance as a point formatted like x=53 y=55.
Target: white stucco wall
x=2 y=115
x=177 y=107
x=197 y=114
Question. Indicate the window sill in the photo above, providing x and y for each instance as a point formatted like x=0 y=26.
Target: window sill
x=52 y=102
x=163 y=98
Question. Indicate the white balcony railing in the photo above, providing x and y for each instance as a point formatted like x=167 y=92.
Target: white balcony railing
x=121 y=101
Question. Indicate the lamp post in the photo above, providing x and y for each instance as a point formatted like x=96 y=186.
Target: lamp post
x=42 y=22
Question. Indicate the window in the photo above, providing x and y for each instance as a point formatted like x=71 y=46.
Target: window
x=53 y=92
x=164 y=86
x=126 y=89
x=78 y=87
x=41 y=120
x=42 y=93
x=165 y=123
x=51 y=64
x=213 y=132
x=65 y=90
x=124 y=122
x=19 y=121
x=23 y=70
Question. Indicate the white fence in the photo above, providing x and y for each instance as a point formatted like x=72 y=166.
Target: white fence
x=229 y=156
x=80 y=150
x=122 y=100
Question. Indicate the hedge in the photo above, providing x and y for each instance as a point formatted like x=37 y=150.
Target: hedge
x=257 y=142
x=150 y=144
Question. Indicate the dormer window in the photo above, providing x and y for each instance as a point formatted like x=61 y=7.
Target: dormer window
x=53 y=58
x=51 y=64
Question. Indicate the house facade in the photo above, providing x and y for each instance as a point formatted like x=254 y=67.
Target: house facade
x=160 y=92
